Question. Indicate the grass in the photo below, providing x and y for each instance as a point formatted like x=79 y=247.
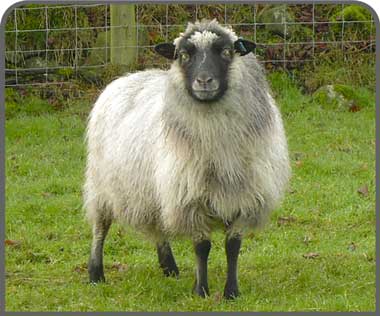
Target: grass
x=333 y=155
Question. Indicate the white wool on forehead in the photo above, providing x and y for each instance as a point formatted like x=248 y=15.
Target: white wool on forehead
x=203 y=39
x=205 y=30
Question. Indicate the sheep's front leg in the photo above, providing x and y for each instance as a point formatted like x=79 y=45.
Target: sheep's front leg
x=166 y=259
x=202 y=250
x=95 y=263
x=232 y=246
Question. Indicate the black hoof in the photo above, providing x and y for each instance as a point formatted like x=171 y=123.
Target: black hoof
x=231 y=293
x=96 y=274
x=166 y=260
x=201 y=291
x=171 y=271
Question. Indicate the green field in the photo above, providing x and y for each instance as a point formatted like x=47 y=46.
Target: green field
x=316 y=254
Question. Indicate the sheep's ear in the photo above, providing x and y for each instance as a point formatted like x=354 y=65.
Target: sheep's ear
x=244 y=47
x=167 y=50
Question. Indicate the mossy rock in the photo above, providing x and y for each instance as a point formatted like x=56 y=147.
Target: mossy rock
x=354 y=12
x=339 y=97
x=275 y=15
x=331 y=97
x=354 y=95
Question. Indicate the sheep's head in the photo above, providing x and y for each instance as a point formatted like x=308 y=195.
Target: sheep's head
x=205 y=52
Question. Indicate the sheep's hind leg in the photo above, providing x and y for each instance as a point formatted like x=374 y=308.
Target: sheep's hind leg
x=166 y=259
x=202 y=250
x=95 y=263
x=232 y=246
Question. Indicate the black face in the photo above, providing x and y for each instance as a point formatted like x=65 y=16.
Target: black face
x=206 y=67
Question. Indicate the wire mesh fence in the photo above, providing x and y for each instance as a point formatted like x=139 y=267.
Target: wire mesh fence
x=52 y=44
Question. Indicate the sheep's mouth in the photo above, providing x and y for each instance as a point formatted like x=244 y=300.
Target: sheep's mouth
x=206 y=94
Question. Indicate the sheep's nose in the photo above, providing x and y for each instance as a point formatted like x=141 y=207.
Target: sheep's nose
x=204 y=80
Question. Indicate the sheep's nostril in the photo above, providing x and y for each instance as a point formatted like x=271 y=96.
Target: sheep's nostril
x=203 y=81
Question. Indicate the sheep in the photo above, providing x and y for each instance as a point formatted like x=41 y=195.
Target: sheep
x=185 y=151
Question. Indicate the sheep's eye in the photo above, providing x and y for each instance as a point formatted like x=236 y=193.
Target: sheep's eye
x=227 y=53
x=184 y=57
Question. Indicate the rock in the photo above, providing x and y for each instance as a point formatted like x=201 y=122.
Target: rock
x=353 y=13
x=277 y=14
x=336 y=96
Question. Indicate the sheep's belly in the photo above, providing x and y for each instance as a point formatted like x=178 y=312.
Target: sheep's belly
x=210 y=206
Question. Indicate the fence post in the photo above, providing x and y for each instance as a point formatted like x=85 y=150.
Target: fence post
x=123 y=36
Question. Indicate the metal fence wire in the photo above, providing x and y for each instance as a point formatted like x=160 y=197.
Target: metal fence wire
x=51 y=44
